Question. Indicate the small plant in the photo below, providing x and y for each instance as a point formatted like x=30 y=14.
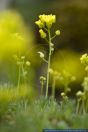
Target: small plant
x=67 y=78
x=23 y=67
x=82 y=102
x=42 y=82
x=64 y=78
x=45 y=23
x=56 y=76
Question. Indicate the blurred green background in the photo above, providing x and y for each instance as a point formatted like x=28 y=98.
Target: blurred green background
x=72 y=21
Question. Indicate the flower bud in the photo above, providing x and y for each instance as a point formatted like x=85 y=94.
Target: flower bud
x=28 y=63
x=39 y=23
x=51 y=71
x=62 y=94
x=57 y=32
x=79 y=93
x=41 y=54
x=22 y=57
x=51 y=44
x=42 y=33
x=86 y=68
x=52 y=49
x=42 y=78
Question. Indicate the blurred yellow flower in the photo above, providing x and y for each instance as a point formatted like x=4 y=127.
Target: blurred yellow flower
x=79 y=93
x=14 y=36
x=11 y=37
x=84 y=59
x=67 y=60
x=28 y=63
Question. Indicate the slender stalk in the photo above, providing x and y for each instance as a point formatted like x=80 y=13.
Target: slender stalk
x=42 y=85
x=45 y=60
x=53 y=37
x=49 y=60
x=19 y=70
x=19 y=76
x=23 y=70
x=83 y=105
x=53 y=87
x=86 y=102
x=87 y=105
x=78 y=105
x=82 y=109
x=65 y=88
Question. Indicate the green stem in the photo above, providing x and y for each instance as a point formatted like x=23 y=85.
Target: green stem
x=45 y=60
x=86 y=105
x=53 y=37
x=78 y=105
x=53 y=87
x=49 y=59
x=65 y=88
x=19 y=76
x=82 y=109
x=42 y=85
x=23 y=70
x=19 y=70
x=83 y=105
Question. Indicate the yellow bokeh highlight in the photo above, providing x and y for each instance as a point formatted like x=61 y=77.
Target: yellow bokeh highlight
x=69 y=61
x=14 y=36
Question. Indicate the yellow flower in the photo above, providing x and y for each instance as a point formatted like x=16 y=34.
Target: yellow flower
x=39 y=23
x=42 y=33
x=46 y=20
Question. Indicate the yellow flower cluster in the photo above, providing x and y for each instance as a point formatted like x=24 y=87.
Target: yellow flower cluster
x=84 y=59
x=46 y=20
